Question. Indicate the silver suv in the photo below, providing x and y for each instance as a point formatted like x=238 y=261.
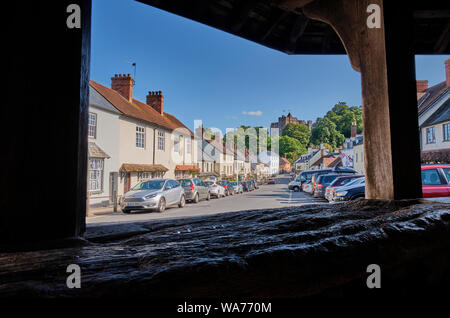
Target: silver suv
x=153 y=194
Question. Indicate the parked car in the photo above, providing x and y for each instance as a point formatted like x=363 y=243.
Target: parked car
x=322 y=182
x=237 y=186
x=271 y=181
x=195 y=190
x=339 y=182
x=215 y=189
x=352 y=190
x=307 y=187
x=436 y=180
x=248 y=186
x=153 y=194
x=229 y=190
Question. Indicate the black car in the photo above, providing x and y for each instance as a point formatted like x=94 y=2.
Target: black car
x=322 y=182
x=350 y=192
x=341 y=170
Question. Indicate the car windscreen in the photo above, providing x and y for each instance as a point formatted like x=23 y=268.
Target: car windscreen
x=149 y=185
x=355 y=181
x=209 y=183
x=326 y=180
x=222 y=182
x=341 y=181
x=185 y=183
x=234 y=183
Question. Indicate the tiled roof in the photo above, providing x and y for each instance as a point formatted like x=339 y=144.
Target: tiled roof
x=95 y=151
x=431 y=94
x=186 y=168
x=141 y=167
x=441 y=115
x=284 y=161
x=137 y=109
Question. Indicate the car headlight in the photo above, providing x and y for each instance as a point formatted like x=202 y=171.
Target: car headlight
x=150 y=196
x=341 y=193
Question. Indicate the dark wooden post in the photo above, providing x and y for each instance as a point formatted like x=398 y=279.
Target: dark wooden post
x=44 y=112
x=384 y=56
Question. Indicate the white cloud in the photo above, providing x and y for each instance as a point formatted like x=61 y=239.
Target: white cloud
x=252 y=113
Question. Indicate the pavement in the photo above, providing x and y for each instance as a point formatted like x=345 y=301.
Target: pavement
x=266 y=197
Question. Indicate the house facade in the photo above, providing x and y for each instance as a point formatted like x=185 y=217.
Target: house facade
x=141 y=140
x=285 y=165
x=358 y=150
x=306 y=161
x=434 y=119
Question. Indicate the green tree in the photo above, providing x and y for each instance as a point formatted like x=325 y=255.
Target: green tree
x=343 y=116
x=325 y=131
x=289 y=146
x=298 y=131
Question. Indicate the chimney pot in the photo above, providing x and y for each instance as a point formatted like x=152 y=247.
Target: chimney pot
x=353 y=130
x=421 y=86
x=156 y=101
x=123 y=85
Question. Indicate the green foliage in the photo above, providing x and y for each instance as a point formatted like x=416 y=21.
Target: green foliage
x=289 y=146
x=298 y=131
x=325 y=131
x=343 y=116
x=246 y=136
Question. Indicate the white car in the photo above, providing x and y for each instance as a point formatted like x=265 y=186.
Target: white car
x=215 y=189
x=295 y=184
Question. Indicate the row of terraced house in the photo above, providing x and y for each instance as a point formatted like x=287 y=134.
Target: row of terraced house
x=129 y=141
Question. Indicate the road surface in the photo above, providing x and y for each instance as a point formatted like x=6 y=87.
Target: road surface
x=266 y=197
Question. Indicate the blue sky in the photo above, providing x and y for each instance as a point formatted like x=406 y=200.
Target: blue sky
x=219 y=78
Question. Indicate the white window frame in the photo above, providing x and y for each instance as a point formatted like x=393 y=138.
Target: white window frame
x=161 y=140
x=95 y=174
x=140 y=137
x=176 y=143
x=446 y=132
x=92 y=128
x=188 y=145
x=431 y=140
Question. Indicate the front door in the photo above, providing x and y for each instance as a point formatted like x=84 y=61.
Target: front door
x=127 y=183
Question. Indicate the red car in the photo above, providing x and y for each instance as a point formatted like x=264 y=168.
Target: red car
x=436 y=180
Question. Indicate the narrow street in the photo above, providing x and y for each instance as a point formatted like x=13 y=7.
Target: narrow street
x=266 y=197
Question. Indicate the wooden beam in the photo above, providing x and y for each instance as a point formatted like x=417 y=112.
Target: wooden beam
x=296 y=32
x=386 y=60
x=444 y=39
x=431 y=14
x=241 y=15
x=292 y=5
x=274 y=24
x=328 y=33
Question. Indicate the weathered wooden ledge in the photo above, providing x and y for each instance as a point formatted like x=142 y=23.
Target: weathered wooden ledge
x=292 y=252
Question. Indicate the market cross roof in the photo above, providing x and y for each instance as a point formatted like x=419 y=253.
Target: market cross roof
x=281 y=24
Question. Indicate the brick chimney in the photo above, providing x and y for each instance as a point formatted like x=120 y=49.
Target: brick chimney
x=200 y=132
x=353 y=130
x=447 y=72
x=156 y=100
x=123 y=83
x=421 y=86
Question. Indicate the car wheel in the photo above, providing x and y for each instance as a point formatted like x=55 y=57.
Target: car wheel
x=161 y=205
x=182 y=202
x=196 y=198
x=296 y=189
x=126 y=211
x=208 y=197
